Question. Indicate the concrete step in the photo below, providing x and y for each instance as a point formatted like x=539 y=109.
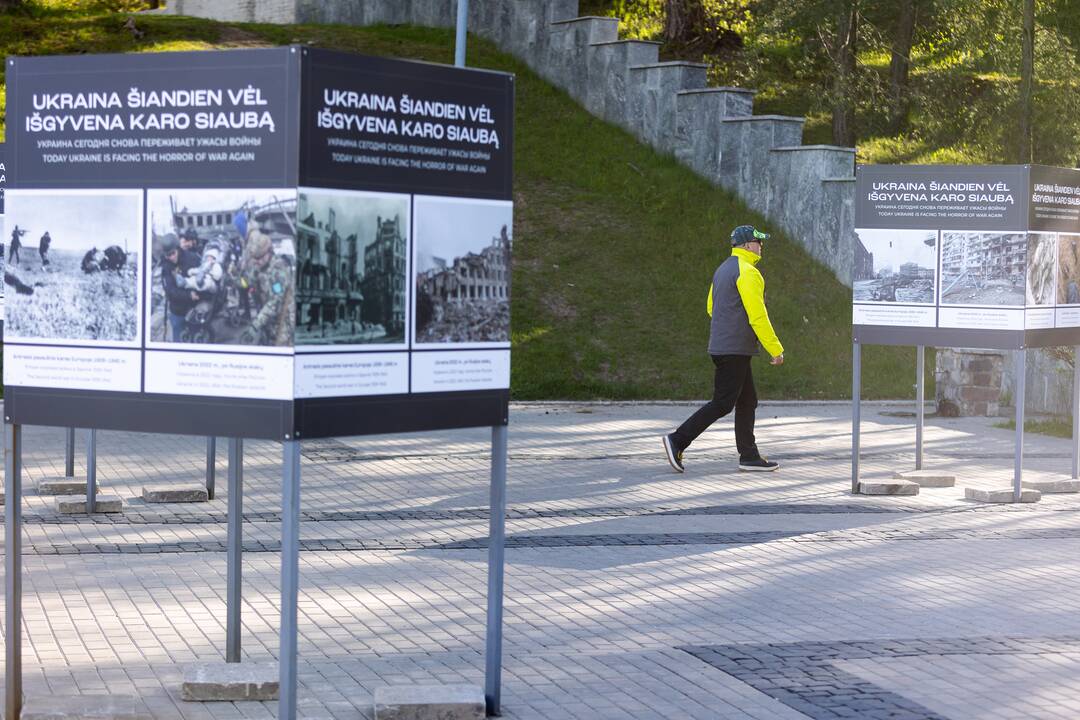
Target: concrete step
x=218 y=681
x=1000 y=495
x=192 y=493
x=429 y=702
x=84 y=707
x=1052 y=486
x=652 y=99
x=73 y=505
x=61 y=486
x=927 y=478
x=888 y=487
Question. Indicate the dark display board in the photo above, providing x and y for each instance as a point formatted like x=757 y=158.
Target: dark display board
x=344 y=224
x=3 y=231
x=967 y=256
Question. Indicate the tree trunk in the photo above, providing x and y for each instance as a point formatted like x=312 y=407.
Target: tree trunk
x=1027 y=82
x=683 y=20
x=843 y=114
x=900 y=65
x=10 y=4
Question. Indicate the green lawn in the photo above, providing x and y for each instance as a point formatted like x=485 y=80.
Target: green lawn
x=614 y=245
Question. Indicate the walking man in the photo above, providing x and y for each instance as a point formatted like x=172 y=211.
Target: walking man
x=739 y=323
x=43 y=248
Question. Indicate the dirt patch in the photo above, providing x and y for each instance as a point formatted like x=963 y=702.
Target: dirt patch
x=234 y=37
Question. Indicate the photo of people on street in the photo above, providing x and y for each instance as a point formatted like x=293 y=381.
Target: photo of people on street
x=73 y=265
x=222 y=267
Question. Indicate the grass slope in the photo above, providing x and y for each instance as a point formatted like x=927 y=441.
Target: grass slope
x=614 y=244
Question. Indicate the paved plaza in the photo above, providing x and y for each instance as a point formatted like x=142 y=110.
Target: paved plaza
x=631 y=591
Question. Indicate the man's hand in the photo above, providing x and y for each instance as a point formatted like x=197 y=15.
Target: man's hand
x=194 y=296
x=778 y=360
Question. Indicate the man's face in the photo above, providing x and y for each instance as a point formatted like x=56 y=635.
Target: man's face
x=754 y=246
x=172 y=256
x=263 y=260
x=187 y=243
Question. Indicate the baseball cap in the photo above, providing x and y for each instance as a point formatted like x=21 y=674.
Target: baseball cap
x=747 y=233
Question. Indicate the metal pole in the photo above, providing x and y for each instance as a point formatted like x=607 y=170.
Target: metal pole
x=211 y=466
x=13 y=570
x=920 y=402
x=235 y=545
x=91 y=470
x=462 y=27
x=290 y=577
x=856 y=382
x=1021 y=382
x=1076 y=415
x=69 y=453
x=496 y=554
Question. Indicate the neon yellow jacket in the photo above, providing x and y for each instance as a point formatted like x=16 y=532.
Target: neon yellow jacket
x=736 y=305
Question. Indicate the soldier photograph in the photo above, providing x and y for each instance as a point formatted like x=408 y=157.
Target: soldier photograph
x=223 y=267
x=463 y=250
x=83 y=283
x=352 y=258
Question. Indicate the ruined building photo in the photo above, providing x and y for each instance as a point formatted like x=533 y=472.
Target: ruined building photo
x=466 y=300
x=383 y=285
x=983 y=268
x=328 y=293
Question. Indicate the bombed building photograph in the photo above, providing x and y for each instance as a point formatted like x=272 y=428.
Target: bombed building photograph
x=222 y=268
x=352 y=258
x=1041 y=262
x=463 y=250
x=895 y=266
x=1068 y=270
x=983 y=268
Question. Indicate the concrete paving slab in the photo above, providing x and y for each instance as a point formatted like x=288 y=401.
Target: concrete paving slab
x=230 y=682
x=73 y=505
x=61 y=486
x=429 y=702
x=190 y=493
x=84 y=707
x=927 y=478
x=1000 y=495
x=1052 y=486
x=888 y=487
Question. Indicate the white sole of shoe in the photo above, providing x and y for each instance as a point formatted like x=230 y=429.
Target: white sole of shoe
x=670 y=452
x=745 y=468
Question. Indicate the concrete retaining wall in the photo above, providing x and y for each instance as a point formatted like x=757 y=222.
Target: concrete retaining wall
x=807 y=191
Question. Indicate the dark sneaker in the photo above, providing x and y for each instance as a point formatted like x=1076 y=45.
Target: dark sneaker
x=673 y=456
x=758 y=464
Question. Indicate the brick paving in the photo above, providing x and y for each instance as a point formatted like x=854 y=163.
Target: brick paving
x=631 y=591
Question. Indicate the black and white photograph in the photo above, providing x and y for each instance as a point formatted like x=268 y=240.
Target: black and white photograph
x=1068 y=270
x=983 y=268
x=895 y=266
x=1041 y=268
x=73 y=266
x=223 y=268
x=352 y=268
x=462 y=259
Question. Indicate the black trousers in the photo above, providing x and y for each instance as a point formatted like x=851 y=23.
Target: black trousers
x=733 y=387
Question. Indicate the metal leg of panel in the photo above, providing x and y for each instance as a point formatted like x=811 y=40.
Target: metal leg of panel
x=13 y=571
x=91 y=470
x=1018 y=466
x=462 y=28
x=69 y=452
x=235 y=546
x=1076 y=415
x=211 y=466
x=920 y=402
x=856 y=387
x=496 y=555
x=290 y=577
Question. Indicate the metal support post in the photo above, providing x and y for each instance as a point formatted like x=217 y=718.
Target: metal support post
x=462 y=27
x=91 y=470
x=920 y=403
x=69 y=453
x=211 y=466
x=13 y=571
x=496 y=554
x=1021 y=382
x=856 y=383
x=235 y=546
x=1076 y=415
x=290 y=577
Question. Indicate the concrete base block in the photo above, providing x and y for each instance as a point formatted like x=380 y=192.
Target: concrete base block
x=61 y=486
x=84 y=707
x=927 y=478
x=1052 y=486
x=429 y=702
x=175 y=493
x=77 y=505
x=1 y=498
x=888 y=487
x=1000 y=495
x=230 y=682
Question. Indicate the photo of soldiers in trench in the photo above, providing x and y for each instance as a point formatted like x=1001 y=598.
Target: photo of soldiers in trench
x=352 y=252
x=895 y=266
x=463 y=256
x=222 y=267
x=70 y=278
x=983 y=268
